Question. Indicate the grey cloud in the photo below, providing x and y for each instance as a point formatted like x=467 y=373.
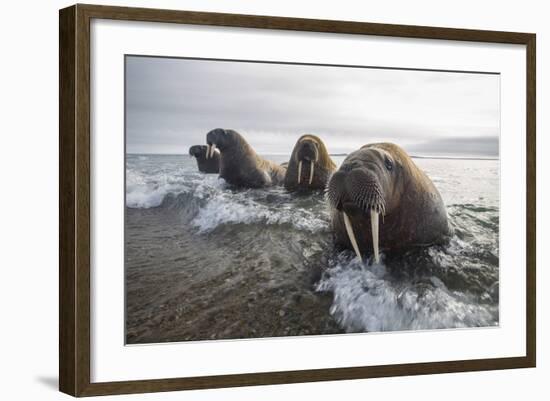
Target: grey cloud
x=172 y=103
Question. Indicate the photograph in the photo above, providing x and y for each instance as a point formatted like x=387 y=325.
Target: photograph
x=274 y=199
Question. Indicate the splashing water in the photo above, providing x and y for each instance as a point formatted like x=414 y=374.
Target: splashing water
x=371 y=298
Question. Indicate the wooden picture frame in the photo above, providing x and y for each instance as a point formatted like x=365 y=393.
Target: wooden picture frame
x=74 y=199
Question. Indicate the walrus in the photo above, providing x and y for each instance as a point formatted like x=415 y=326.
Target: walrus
x=240 y=165
x=381 y=179
x=310 y=165
x=207 y=162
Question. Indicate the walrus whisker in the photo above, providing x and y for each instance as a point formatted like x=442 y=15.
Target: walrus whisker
x=299 y=171
x=351 y=236
x=311 y=167
x=374 y=229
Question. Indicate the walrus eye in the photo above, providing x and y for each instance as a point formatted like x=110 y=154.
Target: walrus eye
x=389 y=164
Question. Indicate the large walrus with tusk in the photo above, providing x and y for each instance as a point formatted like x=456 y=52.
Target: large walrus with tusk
x=208 y=161
x=240 y=165
x=310 y=165
x=381 y=179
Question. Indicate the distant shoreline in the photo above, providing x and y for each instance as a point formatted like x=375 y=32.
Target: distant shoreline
x=456 y=158
x=438 y=157
x=337 y=155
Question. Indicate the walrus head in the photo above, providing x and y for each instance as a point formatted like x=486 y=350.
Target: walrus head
x=310 y=153
x=221 y=139
x=367 y=184
x=197 y=151
x=306 y=150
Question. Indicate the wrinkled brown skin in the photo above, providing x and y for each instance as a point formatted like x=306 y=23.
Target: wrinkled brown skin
x=240 y=165
x=415 y=214
x=307 y=149
x=208 y=166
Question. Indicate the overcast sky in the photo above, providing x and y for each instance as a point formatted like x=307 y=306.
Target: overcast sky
x=172 y=103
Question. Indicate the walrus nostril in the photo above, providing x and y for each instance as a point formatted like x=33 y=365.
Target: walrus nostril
x=350 y=165
x=307 y=152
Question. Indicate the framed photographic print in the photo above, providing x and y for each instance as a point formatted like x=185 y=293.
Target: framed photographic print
x=251 y=200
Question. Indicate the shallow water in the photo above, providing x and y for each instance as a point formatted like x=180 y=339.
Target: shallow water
x=206 y=261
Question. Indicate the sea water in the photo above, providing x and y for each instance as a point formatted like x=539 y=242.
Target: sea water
x=204 y=260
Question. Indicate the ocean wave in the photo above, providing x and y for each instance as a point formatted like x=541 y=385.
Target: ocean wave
x=369 y=298
x=144 y=192
x=221 y=204
x=147 y=191
x=229 y=208
x=144 y=197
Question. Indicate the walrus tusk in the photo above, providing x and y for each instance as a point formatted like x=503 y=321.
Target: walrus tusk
x=311 y=166
x=207 y=151
x=374 y=229
x=299 y=171
x=212 y=149
x=351 y=236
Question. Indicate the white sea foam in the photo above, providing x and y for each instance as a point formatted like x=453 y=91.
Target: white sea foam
x=220 y=205
x=145 y=197
x=239 y=208
x=366 y=299
x=149 y=190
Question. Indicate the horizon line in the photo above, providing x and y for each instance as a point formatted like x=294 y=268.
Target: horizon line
x=337 y=154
